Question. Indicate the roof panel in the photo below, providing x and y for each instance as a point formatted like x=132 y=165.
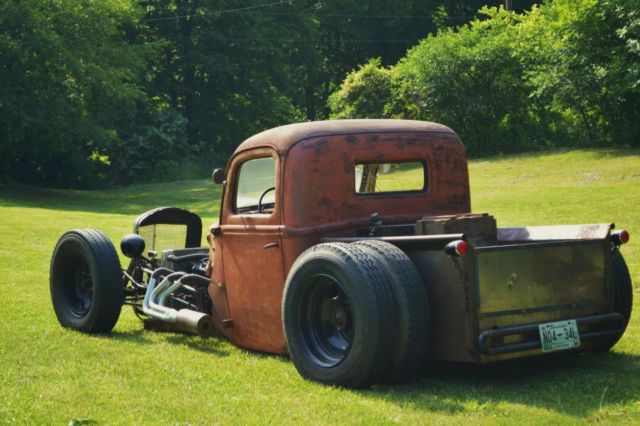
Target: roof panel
x=284 y=137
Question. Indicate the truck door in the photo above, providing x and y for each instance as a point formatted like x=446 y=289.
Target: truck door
x=251 y=246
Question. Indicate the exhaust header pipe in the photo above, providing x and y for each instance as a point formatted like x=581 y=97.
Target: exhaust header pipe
x=185 y=320
x=194 y=322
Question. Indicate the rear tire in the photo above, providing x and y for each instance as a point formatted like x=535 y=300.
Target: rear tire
x=622 y=298
x=338 y=316
x=86 y=281
x=411 y=306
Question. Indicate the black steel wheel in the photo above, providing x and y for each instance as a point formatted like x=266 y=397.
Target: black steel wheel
x=86 y=281
x=411 y=305
x=338 y=316
x=326 y=320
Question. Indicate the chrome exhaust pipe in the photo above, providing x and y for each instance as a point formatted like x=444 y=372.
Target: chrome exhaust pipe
x=194 y=322
x=185 y=320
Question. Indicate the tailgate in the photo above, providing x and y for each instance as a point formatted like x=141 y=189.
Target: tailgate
x=539 y=282
x=518 y=280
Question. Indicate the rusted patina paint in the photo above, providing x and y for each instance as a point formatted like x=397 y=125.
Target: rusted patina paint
x=316 y=198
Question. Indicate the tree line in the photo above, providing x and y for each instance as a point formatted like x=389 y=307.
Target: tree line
x=96 y=93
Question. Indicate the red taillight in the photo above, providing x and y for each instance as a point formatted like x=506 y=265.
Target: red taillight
x=457 y=248
x=620 y=237
x=624 y=237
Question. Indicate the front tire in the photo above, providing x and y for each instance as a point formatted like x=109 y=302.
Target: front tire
x=86 y=281
x=338 y=316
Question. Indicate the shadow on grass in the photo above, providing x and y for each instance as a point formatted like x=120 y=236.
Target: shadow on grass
x=617 y=153
x=209 y=345
x=200 y=196
x=577 y=386
x=136 y=336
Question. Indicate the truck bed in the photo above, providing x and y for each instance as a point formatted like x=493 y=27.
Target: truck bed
x=488 y=305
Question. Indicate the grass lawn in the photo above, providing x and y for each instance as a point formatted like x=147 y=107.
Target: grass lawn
x=50 y=375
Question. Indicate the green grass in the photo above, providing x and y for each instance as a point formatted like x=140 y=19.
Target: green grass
x=50 y=375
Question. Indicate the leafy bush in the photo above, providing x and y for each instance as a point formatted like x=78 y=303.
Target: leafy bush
x=468 y=79
x=565 y=74
x=582 y=61
x=364 y=93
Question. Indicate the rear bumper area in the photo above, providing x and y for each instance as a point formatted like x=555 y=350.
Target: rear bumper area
x=526 y=337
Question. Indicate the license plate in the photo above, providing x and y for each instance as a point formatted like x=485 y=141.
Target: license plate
x=557 y=336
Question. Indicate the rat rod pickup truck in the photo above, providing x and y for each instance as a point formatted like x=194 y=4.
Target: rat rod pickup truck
x=351 y=246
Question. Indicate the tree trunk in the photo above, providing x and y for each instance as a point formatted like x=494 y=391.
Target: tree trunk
x=369 y=178
x=184 y=8
x=310 y=97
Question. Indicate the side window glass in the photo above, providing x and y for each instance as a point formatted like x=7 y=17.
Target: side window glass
x=256 y=186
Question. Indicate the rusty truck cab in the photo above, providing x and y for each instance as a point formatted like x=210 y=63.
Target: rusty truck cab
x=312 y=168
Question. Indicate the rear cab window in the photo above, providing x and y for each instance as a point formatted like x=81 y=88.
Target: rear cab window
x=378 y=178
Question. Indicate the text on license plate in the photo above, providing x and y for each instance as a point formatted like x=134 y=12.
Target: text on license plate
x=556 y=336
